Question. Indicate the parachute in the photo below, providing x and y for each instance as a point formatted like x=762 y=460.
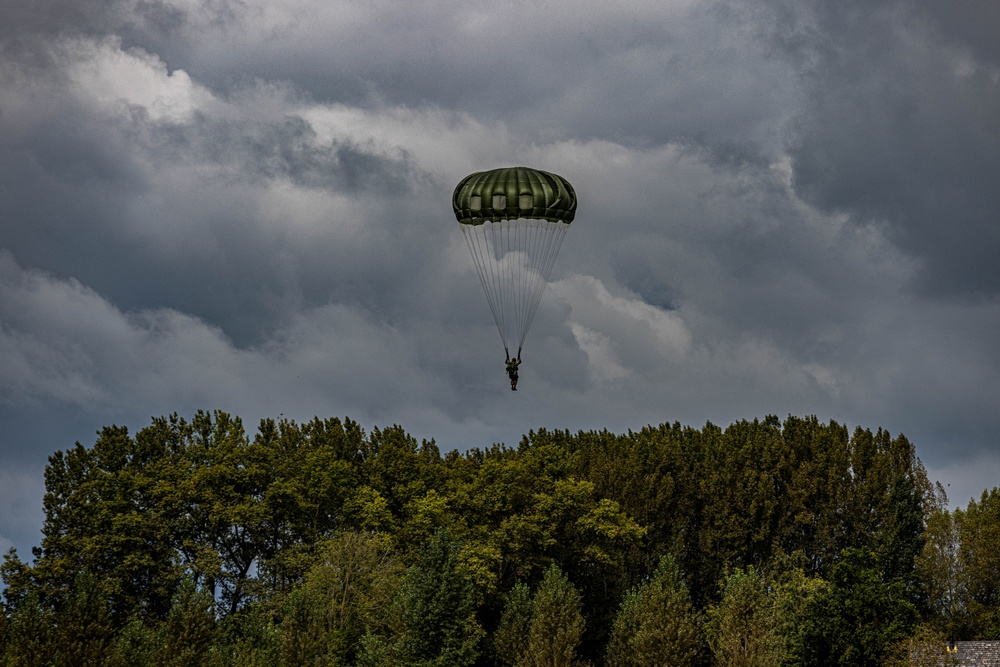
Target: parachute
x=514 y=220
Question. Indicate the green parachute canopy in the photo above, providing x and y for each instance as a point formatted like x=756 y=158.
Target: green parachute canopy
x=511 y=193
x=514 y=220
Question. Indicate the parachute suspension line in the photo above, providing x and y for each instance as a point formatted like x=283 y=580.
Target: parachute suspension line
x=479 y=249
x=498 y=245
x=529 y=276
x=519 y=260
x=514 y=259
x=547 y=240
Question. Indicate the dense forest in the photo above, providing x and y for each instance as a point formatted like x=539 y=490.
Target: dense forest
x=764 y=543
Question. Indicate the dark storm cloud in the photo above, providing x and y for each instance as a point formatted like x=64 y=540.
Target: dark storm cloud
x=973 y=23
x=284 y=149
x=104 y=183
x=19 y=19
x=637 y=73
x=900 y=129
x=246 y=206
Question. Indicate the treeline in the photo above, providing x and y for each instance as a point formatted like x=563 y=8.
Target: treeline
x=764 y=543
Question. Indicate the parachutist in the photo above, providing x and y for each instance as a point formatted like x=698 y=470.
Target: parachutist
x=514 y=219
x=512 y=365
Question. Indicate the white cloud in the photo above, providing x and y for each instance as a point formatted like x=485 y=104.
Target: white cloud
x=117 y=79
x=612 y=329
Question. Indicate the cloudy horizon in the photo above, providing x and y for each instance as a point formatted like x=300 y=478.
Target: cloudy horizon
x=784 y=208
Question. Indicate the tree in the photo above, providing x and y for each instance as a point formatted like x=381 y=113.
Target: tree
x=4 y=626
x=794 y=592
x=345 y=595
x=556 y=623
x=745 y=628
x=278 y=534
x=510 y=638
x=901 y=539
x=885 y=501
x=29 y=634
x=190 y=628
x=939 y=570
x=860 y=618
x=657 y=626
x=83 y=630
x=138 y=512
x=307 y=475
x=16 y=577
x=437 y=603
x=101 y=516
x=979 y=555
x=219 y=522
x=139 y=644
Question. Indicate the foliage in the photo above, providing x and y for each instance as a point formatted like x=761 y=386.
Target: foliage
x=318 y=543
x=437 y=602
x=345 y=595
x=745 y=628
x=29 y=634
x=657 y=624
x=979 y=565
x=795 y=593
x=556 y=623
x=861 y=617
x=190 y=628
x=939 y=569
x=510 y=638
x=84 y=634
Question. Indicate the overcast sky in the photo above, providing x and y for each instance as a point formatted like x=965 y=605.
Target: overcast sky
x=785 y=207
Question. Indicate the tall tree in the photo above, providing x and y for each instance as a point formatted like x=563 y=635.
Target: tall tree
x=979 y=554
x=939 y=570
x=29 y=634
x=84 y=634
x=511 y=637
x=190 y=628
x=860 y=618
x=101 y=516
x=308 y=474
x=345 y=595
x=556 y=623
x=657 y=625
x=437 y=603
x=745 y=628
x=795 y=591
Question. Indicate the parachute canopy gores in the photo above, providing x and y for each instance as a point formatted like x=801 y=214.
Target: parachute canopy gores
x=514 y=220
x=511 y=193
